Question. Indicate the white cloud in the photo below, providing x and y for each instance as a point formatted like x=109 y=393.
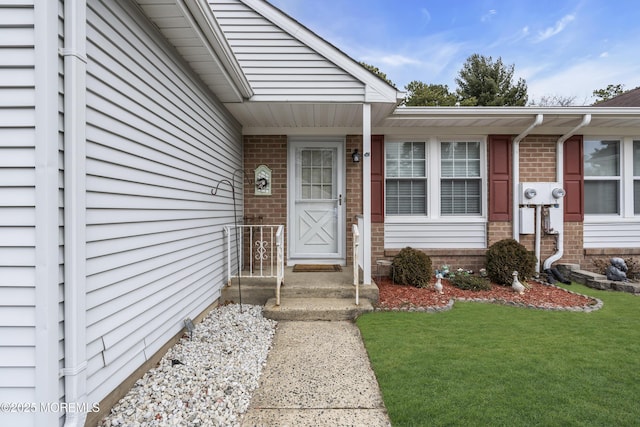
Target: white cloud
x=582 y=78
x=604 y=54
x=396 y=60
x=426 y=15
x=487 y=16
x=556 y=29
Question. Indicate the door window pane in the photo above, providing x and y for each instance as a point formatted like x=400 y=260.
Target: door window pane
x=318 y=174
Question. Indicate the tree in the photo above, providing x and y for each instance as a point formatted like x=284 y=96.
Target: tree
x=554 y=101
x=490 y=83
x=422 y=94
x=375 y=70
x=610 y=92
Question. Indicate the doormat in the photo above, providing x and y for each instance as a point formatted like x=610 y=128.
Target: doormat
x=316 y=268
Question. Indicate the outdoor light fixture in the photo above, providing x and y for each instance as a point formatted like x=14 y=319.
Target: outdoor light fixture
x=355 y=156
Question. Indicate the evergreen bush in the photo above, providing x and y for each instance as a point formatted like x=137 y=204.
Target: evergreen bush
x=469 y=282
x=412 y=267
x=506 y=256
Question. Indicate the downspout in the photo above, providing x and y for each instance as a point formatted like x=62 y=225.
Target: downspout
x=516 y=175
x=75 y=66
x=559 y=231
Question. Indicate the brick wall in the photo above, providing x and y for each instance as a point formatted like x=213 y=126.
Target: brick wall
x=353 y=190
x=537 y=164
x=272 y=152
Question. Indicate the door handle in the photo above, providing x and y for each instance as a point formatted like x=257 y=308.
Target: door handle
x=340 y=200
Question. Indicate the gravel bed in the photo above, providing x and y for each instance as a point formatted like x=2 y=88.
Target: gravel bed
x=203 y=381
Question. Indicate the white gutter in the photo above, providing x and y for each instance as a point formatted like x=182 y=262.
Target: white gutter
x=516 y=175
x=75 y=66
x=586 y=119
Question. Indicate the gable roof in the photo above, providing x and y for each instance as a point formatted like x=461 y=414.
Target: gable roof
x=629 y=98
x=285 y=61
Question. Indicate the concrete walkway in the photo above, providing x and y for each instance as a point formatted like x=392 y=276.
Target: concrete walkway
x=317 y=374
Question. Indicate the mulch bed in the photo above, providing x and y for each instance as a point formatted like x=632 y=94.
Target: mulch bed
x=402 y=297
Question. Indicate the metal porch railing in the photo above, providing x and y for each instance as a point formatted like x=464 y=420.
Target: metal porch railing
x=356 y=260
x=262 y=253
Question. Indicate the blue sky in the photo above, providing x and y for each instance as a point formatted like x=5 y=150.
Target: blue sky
x=563 y=48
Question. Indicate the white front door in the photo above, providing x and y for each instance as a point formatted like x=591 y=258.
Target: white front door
x=316 y=201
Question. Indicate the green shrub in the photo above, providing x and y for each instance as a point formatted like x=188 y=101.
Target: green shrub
x=505 y=257
x=469 y=282
x=412 y=267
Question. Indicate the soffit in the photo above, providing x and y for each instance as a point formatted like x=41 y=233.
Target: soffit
x=510 y=120
x=287 y=117
x=195 y=34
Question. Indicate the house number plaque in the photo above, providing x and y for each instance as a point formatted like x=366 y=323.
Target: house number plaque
x=263 y=181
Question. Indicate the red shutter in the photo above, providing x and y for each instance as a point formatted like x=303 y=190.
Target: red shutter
x=377 y=178
x=499 y=178
x=574 y=179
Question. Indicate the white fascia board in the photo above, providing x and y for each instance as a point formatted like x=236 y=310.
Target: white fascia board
x=514 y=111
x=207 y=26
x=377 y=89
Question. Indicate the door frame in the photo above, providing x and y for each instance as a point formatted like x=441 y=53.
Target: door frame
x=316 y=142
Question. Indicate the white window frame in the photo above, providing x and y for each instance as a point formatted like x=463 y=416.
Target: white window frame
x=461 y=179
x=626 y=180
x=433 y=152
x=634 y=178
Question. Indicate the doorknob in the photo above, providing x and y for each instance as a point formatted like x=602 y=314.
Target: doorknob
x=340 y=200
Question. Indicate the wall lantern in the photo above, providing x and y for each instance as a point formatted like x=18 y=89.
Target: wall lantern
x=355 y=156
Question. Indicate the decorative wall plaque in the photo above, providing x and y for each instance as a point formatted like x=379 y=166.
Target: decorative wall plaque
x=263 y=181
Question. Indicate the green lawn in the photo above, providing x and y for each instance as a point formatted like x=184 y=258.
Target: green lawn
x=493 y=365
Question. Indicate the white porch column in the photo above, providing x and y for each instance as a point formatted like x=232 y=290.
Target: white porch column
x=366 y=190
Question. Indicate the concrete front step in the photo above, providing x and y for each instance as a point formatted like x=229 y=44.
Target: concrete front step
x=309 y=309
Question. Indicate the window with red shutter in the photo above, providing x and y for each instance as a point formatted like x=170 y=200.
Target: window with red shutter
x=574 y=179
x=500 y=178
x=377 y=178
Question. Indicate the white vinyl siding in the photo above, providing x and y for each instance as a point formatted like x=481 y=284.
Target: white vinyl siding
x=609 y=234
x=17 y=206
x=157 y=143
x=278 y=65
x=435 y=235
x=30 y=209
